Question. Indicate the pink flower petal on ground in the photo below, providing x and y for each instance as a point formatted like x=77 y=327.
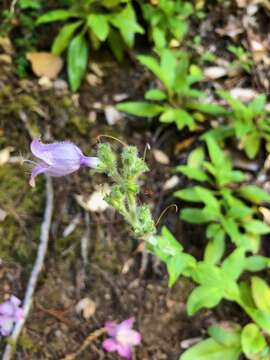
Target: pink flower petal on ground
x=125 y=351
x=111 y=328
x=110 y=345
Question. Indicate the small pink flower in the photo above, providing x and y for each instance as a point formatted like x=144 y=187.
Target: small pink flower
x=58 y=159
x=10 y=313
x=122 y=338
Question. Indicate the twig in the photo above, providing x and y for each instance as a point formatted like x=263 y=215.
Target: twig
x=90 y=338
x=42 y=249
x=85 y=240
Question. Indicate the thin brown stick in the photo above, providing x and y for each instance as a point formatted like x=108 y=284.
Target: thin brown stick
x=90 y=338
x=164 y=212
x=111 y=137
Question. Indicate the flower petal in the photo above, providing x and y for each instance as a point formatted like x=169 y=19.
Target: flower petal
x=39 y=169
x=125 y=351
x=111 y=328
x=126 y=324
x=89 y=161
x=7 y=309
x=15 y=301
x=110 y=345
x=6 y=326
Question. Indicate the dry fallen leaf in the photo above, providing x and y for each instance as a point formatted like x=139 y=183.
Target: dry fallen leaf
x=161 y=157
x=87 y=307
x=93 y=79
x=45 y=64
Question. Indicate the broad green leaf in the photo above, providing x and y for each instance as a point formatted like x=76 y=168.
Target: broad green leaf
x=116 y=44
x=261 y=293
x=208 y=275
x=260 y=317
x=211 y=350
x=198 y=216
x=168 y=65
x=256 y=263
x=251 y=144
x=192 y=173
x=207 y=108
x=188 y=194
x=169 y=243
x=256 y=227
x=216 y=154
x=252 y=340
x=176 y=266
x=152 y=64
x=159 y=38
x=257 y=105
x=62 y=39
x=99 y=25
x=140 y=108
x=127 y=24
x=215 y=247
x=254 y=194
x=203 y=297
x=155 y=94
x=227 y=335
x=196 y=157
x=234 y=264
x=182 y=119
x=208 y=198
x=77 y=60
x=56 y=15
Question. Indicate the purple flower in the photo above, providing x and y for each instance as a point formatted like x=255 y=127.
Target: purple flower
x=58 y=159
x=10 y=313
x=122 y=338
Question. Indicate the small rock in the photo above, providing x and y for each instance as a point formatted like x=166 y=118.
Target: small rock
x=3 y=215
x=215 y=72
x=93 y=79
x=112 y=115
x=171 y=183
x=45 y=82
x=244 y=95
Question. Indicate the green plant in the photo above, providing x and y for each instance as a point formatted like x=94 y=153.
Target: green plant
x=95 y=21
x=174 y=97
x=228 y=209
x=250 y=123
x=167 y=20
x=243 y=59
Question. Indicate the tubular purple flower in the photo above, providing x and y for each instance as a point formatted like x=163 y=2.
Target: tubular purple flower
x=122 y=338
x=59 y=159
x=10 y=313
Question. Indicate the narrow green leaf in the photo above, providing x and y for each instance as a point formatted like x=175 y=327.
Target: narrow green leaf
x=155 y=94
x=203 y=297
x=140 y=108
x=261 y=293
x=62 y=39
x=99 y=25
x=254 y=194
x=256 y=227
x=77 y=60
x=56 y=15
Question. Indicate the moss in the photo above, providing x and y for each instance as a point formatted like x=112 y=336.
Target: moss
x=23 y=205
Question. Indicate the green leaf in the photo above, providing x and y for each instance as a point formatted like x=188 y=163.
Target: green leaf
x=251 y=144
x=182 y=119
x=208 y=198
x=127 y=24
x=262 y=318
x=152 y=64
x=116 y=44
x=252 y=340
x=169 y=243
x=216 y=154
x=203 y=297
x=99 y=25
x=215 y=248
x=227 y=335
x=62 y=39
x=256 y=227
x=257 y=105
x=197 y=216
x=256 y=263
x=188 y=194
x=254 y=194
x=192 y=173
x=77 y=60
x=234 y=264
x=176 y=266
x=140 y=108
x=261 y=293
x=211 y=350
x=155 y=94
x=196 y=158
x=168 y=65
x=207 y=108
x=56 y=15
